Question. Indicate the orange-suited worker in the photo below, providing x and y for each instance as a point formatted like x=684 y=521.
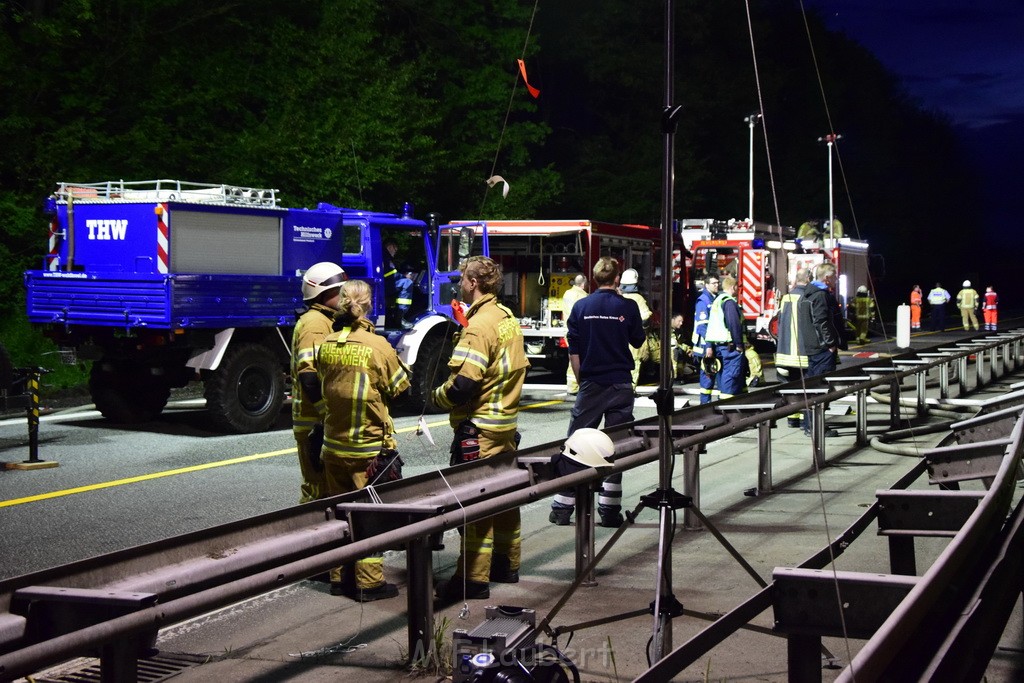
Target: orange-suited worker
x=916 y=300
x=488 y=368
x=991 y=309
x=361 y=375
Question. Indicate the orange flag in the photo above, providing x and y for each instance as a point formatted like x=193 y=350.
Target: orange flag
x=522 y=70
x=457 y=313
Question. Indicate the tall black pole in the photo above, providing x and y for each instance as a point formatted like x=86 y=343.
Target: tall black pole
x=664 y=601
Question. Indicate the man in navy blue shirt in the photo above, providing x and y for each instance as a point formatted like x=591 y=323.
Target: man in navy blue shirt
x=600 y=331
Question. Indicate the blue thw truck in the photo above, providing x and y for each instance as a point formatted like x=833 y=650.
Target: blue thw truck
x=164 y=282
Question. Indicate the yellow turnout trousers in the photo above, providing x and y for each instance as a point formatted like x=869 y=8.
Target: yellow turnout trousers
x=498 y=534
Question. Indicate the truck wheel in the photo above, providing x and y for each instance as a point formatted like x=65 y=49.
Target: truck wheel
x=431 y=370
x=125 y=394
x=246 y=392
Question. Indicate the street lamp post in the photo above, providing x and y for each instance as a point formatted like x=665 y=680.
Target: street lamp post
x=751 y=123
x=830 y=140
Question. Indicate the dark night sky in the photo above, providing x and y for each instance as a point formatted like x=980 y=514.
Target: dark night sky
x=964 y=58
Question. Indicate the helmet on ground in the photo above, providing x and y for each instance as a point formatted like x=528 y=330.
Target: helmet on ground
x=321 y=277
x=590 y=447
x=863 y=289
x=967 y=283
x=629 y=277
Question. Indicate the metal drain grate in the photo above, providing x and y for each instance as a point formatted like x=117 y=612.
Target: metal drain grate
x=159 y=667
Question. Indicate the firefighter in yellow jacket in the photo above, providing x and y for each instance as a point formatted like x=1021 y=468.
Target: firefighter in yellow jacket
x=864 y=312
x=361 y=375
x=321 y=285
x=629 y=287
x=488 y=368
x=967 y=301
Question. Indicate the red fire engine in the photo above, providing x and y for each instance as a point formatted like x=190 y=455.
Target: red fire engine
x=764 y=259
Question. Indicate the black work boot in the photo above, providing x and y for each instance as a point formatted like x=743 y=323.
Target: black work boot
x=451 y=591
x=560 y=516
x=501 y=570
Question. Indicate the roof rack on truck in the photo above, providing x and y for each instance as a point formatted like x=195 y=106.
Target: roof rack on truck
x=165 y=191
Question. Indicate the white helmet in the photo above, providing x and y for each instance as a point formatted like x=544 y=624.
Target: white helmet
x=863 y=289
x=629 y=277
x=590 y=447
x=320 y=277
x=967 y=283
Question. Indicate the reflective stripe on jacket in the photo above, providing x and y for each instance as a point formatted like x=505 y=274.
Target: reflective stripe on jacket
x=490 y=351
x=361 y=374
x=312 y=327
x=795 y=330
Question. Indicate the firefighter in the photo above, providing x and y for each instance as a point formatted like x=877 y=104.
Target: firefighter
x=700 y=326
x=571 y=296
x=752 y=362
x=725 y=339
x=680 y=349
x=864 y=311
x=792 y=348
x=916 y=299
x=488 y=368
x=937 y=299
x=967 y=302
x=629 y=288
x=321 y=286
x=361 y=376
x=991 y=308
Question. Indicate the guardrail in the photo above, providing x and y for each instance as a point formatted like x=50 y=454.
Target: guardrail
x=116 y=602
x=916 y=628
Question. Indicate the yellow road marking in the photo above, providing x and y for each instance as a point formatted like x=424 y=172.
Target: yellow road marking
x=196 y=468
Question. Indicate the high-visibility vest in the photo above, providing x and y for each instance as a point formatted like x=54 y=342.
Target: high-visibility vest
x=717 y=332
x=938 y=296
x=991 y=301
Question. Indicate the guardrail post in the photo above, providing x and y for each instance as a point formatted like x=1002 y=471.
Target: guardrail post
x=818 y=434
x=901 y=555
x=862 y=417
x=922 y=387
x=803 y=653
x=920 y=384
x=764 y=457
x=585 y=534
x=119 y=661
x=420 y=600
x=691 y=487
x=961 y=378
x=894 y=404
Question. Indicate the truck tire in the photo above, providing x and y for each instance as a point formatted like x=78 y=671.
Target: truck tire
x=246 y=392
x=126 y=394
x=429 y=371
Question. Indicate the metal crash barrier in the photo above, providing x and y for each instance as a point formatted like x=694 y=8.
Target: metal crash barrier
x=116 y=603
